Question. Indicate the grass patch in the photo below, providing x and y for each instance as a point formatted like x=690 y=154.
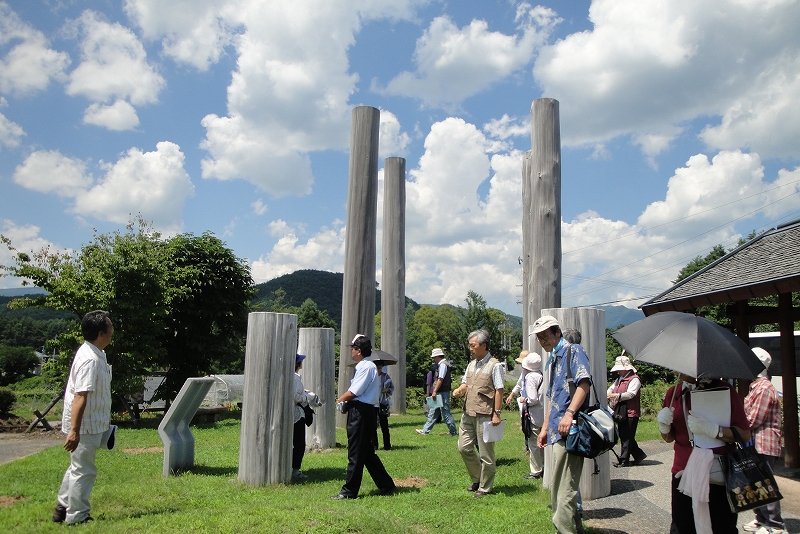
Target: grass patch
x=132 y=496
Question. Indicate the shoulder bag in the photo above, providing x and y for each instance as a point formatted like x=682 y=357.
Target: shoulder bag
x=749 y=481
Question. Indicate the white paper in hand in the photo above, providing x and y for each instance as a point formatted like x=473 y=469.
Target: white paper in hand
x=493 y=433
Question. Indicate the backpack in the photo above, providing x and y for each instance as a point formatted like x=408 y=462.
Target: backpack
x=594 y=431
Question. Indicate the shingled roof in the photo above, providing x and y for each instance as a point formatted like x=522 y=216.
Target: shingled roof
x=766 y=265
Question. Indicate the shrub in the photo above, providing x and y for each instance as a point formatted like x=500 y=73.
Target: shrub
x=653 y=397
x=7 y=400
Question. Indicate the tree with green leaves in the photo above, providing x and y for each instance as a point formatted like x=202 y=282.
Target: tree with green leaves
x=16 y=363
x=179 y=305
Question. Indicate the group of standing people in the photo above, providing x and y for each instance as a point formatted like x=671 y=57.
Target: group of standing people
x=699 y=505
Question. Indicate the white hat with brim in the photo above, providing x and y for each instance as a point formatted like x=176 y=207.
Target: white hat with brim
x=765 y=357
x=623 y=363
x=532 y=362
x=437 y=352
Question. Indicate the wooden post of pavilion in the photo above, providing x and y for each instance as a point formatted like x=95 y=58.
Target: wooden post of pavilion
x=393 y=269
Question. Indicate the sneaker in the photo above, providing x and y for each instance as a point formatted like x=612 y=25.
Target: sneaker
x=299 y=475
x=59 y=514
x=420 y=431
x=752 y=526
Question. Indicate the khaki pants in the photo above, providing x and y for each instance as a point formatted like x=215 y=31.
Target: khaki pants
x=481 y=466
x=566 y=479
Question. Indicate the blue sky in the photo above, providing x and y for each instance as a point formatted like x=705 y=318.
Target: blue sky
x=679 y=124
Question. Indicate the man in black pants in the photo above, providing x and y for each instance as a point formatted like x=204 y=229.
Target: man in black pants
x=360 y=402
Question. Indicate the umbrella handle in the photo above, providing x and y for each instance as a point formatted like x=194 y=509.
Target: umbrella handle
x=674 y=390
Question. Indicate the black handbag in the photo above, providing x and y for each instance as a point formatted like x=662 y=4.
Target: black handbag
x=620 y=411
x=749 y=482
x=308 y=414
x=527 y=424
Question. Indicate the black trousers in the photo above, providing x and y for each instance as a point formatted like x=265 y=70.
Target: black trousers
x=723 y=521
x=299 y=443
x=383 y=420
x=627 y=437
x=362 y=425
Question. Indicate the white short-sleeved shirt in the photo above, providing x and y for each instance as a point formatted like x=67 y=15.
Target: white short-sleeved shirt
x=365 y=384
x=90 y=372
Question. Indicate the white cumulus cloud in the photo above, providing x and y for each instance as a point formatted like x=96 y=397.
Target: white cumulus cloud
x=113 y=67
x=23 y=238
x=323 y=251
x=289 y=94
x=49 y=171
x=455 y=63
x=30 y=63
x=154 y=184
x=393 y=141
x=10 y=132
x=646 y=68
x=118 y=116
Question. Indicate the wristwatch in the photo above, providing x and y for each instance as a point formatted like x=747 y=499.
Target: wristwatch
x=719 y=433
x=498 y=412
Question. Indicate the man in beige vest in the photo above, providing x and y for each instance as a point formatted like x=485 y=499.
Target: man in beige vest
x=482 y=384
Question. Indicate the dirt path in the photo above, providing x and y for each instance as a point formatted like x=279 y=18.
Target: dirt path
x=14 y=446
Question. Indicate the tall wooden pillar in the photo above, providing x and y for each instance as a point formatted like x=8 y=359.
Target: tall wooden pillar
x=526 y=248
x=358 y=288
x=319 y=376
x=544 y=282
x=393 y=269
x=265 y=448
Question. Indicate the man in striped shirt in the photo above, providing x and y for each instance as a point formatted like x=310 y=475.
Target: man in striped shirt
x=86 y=418
x=763 y=409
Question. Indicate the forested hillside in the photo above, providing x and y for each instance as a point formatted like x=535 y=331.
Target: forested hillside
x=323 y=287
x=30 y=327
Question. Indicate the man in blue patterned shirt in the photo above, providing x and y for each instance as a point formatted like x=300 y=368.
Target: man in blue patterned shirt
x=568 y=392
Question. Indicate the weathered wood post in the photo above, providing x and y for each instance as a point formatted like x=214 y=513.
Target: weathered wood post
x=526 y=249
x=358 y=287
x=590 y=322
x=544 y=239
x=319 y=376
x=265 y=451
x=393 y=269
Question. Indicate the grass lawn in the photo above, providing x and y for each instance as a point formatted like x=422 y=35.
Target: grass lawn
x=131 y=495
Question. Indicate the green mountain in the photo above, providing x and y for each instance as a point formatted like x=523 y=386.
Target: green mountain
x=323 y=287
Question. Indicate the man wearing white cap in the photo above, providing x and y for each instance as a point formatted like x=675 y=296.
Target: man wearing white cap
x=441 y=387
x=568 y=392
x=763 y=409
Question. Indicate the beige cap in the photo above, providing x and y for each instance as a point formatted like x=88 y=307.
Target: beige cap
x=543 y=323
